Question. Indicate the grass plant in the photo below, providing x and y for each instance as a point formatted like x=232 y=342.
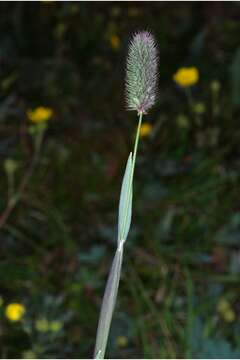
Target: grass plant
x=141 y=83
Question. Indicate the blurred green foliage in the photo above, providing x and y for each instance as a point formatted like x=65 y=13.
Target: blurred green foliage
x=182 y=255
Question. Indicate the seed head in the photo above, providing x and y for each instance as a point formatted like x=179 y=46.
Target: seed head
x=141 y=78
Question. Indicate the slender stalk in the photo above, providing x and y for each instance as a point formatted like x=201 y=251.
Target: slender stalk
x=136 y=144
x=133 y=166
x=111 y=290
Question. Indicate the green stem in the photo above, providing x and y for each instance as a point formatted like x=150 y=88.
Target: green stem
x=136 y=144
x=133 y=167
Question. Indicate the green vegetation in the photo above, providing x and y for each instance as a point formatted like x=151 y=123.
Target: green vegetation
x=65 y=138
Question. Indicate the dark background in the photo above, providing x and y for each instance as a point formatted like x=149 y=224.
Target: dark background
x=179 y=292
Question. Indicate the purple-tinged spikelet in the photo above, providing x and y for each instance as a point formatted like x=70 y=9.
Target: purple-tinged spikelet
x=141 y=79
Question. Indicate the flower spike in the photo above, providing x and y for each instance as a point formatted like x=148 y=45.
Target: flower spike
x=141 y=77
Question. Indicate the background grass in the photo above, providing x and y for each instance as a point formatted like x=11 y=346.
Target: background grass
x=182 y=258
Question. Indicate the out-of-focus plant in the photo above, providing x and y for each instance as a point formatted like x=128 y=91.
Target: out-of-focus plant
x=186 y=77
x=141 y=85
x=38 y=118
x=42 y=322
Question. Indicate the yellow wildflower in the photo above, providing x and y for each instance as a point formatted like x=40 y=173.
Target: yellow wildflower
x=186 y=76
x=40 y=114
x=115 y=42
x=145 y=130
x=15 y=311
x=122 y=341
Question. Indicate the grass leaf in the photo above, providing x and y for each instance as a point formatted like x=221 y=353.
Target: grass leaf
x=108 y=304
x=125 y=203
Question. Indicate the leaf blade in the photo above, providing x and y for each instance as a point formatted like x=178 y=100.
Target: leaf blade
x=125 y=203
x=108 y=305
